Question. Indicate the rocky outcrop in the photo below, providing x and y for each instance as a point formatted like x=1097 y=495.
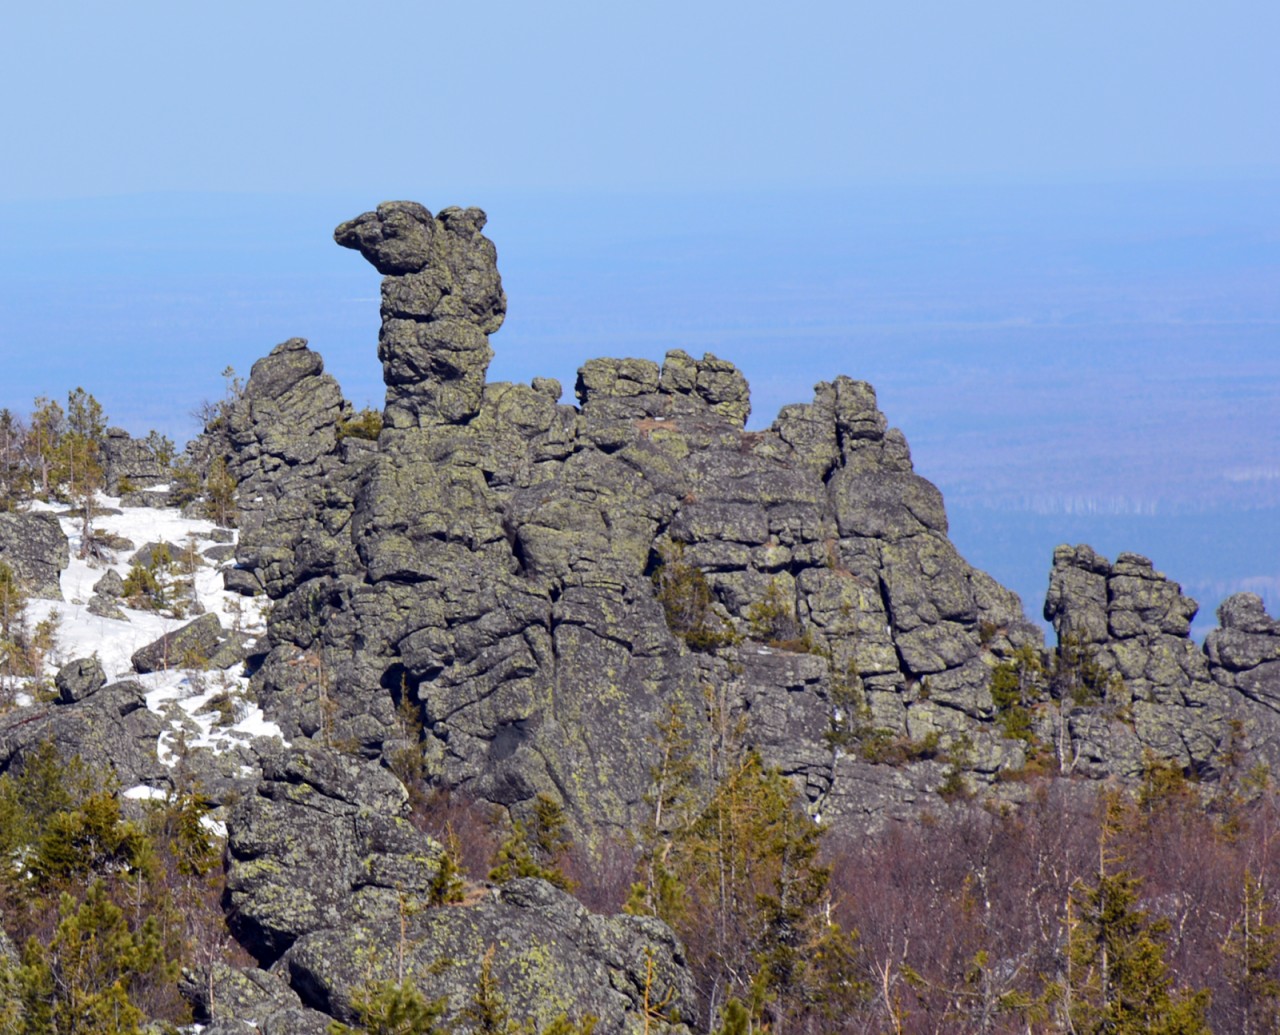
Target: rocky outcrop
x=295 y=474
x=199 y=644
x=548 y=954
x=323 y=842
x=130 y=464
x=109 y=727
x=1244 y=658
x=329 y=884
x=77 y=679
x=1133 y=624
x=35 y=549
x=441 y=299
x=248 y=1001
x=539 y=584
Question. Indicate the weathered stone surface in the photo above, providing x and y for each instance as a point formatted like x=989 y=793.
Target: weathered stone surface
x=491 y=559
x=110 y=729
x=106 y=607
x=295 y=475
x=1133 y=623
x=110 y=585
x=322 y=842
x=187 y=646
x=1244 y=658
x=550 y=956
x=35 y=550
x=77 y=679
x=441 y=299
x=246 y=1000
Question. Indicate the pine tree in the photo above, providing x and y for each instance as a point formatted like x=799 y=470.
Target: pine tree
x=13 y=633
x=487 y=1013
x=82 y=982
x=220 y=491
x=536 y=849
x=44 y=436
x=79 y=461
x=448 y=885
x=393 y=1008
x=671 y=800
x=15 y=475
x=753 y=915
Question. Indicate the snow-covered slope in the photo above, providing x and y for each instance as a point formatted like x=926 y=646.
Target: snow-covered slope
x=181 y=696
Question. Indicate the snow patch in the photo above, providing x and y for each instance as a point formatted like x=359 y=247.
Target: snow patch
x=182 y=696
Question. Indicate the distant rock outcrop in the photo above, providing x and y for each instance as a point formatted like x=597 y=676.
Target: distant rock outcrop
x=130 y=463
x=1134 y=623
x=1244 y=657
x=538 y=584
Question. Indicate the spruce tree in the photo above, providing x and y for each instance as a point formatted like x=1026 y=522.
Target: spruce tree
x=1117 y=981
x=537 y=848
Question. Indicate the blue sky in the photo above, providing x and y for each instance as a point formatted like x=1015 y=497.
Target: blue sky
x=410 y=98
x=1049 y=236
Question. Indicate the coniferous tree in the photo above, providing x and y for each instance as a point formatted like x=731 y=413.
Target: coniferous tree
x=393 y=1008
x=671 y=800
x=448 y=885
x=13 y=634
x=536 y=848
x=1117 y=982
x=15 y=475
x=83 y=981
x=80 y=459
x=44 y=436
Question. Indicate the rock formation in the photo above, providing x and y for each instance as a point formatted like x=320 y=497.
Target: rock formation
x=523 y=591
x=109 y=727
x=505 y=548
x=36 y=551
x=130 y=463
x=1244 y=658
x=328 y=882
x=1134 y=623
x=294 y=473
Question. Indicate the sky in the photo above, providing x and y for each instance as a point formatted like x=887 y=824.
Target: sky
x=1049 y=236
